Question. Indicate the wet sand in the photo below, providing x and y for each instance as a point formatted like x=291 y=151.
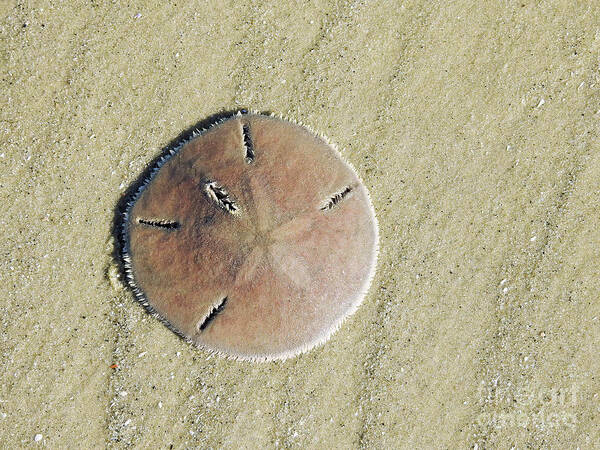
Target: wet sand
x=475 y=129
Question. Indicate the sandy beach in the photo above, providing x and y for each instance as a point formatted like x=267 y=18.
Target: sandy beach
x=474 y=125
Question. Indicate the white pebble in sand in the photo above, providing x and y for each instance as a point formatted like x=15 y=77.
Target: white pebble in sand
x=38 y=437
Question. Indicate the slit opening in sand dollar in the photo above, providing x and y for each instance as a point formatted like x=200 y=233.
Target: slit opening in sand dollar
x=159 y=223
x=336 y=198
x=218 y=308
x=221 y=197
x=248 y=145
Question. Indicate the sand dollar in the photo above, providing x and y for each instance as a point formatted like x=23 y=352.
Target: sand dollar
x=253 y=239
